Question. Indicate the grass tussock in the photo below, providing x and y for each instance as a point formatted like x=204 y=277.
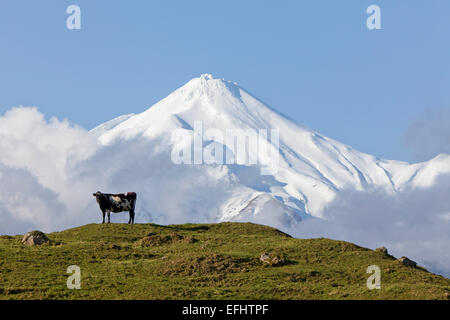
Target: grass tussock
x=200 y=266
x=157 y=240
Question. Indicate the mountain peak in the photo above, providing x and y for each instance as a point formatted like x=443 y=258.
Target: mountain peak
x=206 y=86
x=206 y=76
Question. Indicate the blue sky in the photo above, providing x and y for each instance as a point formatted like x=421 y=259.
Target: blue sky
x=314 y=61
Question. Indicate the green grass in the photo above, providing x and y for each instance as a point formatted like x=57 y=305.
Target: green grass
x=208 y=261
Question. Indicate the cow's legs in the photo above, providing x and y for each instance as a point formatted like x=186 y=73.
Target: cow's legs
x=103 y=212
x=109 y=217
x=131 y=217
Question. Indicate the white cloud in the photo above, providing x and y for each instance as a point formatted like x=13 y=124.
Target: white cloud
x=36 y=157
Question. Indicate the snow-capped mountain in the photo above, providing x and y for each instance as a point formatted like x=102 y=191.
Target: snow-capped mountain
x=312 y=170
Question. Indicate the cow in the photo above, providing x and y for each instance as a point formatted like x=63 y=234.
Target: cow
x=116 y=203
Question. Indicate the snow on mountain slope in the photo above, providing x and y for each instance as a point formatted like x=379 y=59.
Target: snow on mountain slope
x=312 y=169
x=111 y=124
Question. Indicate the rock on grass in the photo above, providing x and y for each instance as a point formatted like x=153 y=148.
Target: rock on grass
x=34 y=238
x=270 y=259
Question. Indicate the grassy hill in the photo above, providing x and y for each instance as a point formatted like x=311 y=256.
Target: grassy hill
x=203 y=261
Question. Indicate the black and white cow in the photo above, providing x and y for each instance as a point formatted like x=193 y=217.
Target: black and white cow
x=116 y=203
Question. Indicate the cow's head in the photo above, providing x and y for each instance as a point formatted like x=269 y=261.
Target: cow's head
x=97 y=194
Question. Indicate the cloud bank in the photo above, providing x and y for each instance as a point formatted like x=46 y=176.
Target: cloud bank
x=36 y=157
x=49 y=170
